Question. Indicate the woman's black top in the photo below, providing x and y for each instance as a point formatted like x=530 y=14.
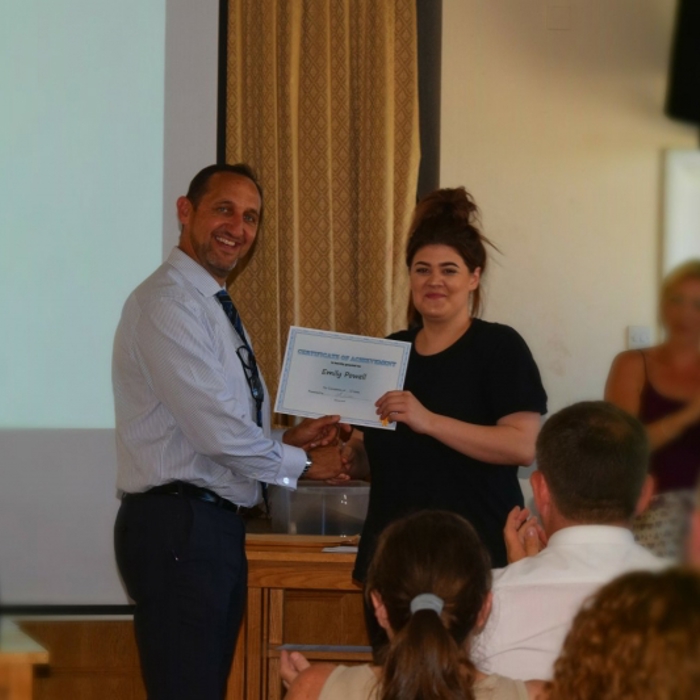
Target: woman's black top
x=487 y=374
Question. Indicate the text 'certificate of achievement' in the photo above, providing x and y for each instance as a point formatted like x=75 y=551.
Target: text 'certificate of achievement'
x=326 y=373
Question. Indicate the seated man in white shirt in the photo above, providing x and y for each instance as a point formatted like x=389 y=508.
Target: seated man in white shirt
x=591 y=480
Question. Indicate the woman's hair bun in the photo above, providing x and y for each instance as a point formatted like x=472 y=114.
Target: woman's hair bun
x=450 y=203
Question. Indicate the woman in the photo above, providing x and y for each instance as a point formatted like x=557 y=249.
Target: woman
x=661 y=386
x=470 y=409
x=639 y=637
x=431 y=601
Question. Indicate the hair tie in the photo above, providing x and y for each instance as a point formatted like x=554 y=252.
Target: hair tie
x=427 y=601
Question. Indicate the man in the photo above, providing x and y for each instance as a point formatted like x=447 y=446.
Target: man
x=591 y=480
x=194 y=443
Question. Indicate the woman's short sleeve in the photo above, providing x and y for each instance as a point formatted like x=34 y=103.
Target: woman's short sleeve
x=513 y=378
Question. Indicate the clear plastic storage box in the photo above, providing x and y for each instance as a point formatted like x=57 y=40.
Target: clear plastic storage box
x=320 y=509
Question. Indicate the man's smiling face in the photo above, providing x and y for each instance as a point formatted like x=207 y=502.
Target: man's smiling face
x=221 y=227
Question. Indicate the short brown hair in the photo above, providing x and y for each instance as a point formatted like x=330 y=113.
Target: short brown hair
x=200 y=182
x=448 y=217
x=594 y=457
x=638 y=637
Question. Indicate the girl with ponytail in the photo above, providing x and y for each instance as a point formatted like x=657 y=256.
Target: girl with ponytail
x=429 y=585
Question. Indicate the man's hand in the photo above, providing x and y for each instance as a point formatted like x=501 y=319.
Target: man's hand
x=291 y=665
x=327 y=465
x=523 y=535
x=314 y=432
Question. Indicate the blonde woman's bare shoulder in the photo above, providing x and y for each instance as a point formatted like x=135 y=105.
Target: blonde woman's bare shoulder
x=631 y=360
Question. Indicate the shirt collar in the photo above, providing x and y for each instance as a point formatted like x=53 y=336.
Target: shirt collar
x=582 y=534
x=193 y=272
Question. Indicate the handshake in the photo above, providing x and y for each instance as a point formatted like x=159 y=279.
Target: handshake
x=326 y=441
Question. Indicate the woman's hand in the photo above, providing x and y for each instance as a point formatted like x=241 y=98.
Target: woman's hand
x=404 y=407
x=672 y=426
x=291 y=665
x=303 y=680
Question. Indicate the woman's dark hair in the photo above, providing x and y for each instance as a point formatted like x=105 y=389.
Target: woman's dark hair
x=429 y=552
x=448 y=217
x=638 y=637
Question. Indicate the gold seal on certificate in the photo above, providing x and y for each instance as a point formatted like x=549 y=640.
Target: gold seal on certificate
x=326 y=373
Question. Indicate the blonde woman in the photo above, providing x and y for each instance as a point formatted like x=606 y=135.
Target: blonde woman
x=661 y=386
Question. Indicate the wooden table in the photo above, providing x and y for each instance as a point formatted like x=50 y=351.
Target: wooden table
x=18 y=656
x=297 y=595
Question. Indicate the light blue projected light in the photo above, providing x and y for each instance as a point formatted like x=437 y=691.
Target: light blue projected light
x=81 y=187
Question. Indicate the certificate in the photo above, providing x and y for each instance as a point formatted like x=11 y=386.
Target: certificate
x=327 y=373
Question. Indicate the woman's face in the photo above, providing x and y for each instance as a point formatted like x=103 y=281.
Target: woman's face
x=441 y=283
x=681 y=311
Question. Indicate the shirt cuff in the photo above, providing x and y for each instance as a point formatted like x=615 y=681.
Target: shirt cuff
x=293 y=463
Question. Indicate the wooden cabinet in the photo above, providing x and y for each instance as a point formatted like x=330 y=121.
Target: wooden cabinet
x=298 y=595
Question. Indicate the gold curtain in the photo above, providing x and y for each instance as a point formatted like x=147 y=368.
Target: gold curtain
x=322 y=101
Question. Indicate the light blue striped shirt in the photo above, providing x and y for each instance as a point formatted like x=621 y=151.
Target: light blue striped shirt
x=184 y=410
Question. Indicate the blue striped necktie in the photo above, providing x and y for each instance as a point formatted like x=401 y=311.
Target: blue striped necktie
x=250 y=366
x=245 y=354
x=232 y=312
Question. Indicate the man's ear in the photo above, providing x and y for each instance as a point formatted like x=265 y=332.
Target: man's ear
x=645 y=496
x=379 y=610
x=184 y=210
x=541 y=495
x=484 y=613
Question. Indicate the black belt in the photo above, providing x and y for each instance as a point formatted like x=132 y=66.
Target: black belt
x=184 y=488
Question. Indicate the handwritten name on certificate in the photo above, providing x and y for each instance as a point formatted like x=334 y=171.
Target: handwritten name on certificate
x=326 y=373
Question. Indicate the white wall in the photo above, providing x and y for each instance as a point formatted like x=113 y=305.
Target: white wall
x=560 y=135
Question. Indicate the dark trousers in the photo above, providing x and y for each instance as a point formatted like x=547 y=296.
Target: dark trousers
x=183 y=563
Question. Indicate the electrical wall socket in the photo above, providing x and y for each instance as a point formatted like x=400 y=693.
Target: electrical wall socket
x=638 y=337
